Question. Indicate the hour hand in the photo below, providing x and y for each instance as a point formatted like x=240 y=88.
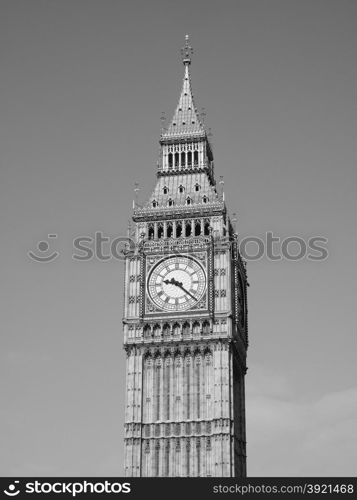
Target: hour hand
x=172 y=281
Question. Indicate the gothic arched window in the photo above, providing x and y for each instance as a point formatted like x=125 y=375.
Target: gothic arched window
x=189 y=159
x=151 y=232
x=206 y=328
x=188 y=201
x=177 y=160
x=207 y=228
x=196 y=328
x=195 y=158
x=170 y=161
x=188 y=228
x=186 y=329
x=183 y=159
x=165 y=189
x=157 y=331
x=147 y=331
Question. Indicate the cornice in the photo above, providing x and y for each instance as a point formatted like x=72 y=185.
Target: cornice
x=174 y=346
x=179 y=211
x=188 y=171
x=182 y=138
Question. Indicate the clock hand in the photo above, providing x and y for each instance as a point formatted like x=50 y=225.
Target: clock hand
x=180 y=285
x=188 y=293
x=172 y=281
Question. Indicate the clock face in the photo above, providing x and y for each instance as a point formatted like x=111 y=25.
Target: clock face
x=176 y=283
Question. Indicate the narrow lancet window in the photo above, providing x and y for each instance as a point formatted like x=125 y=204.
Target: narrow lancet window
x=189 y=159
x=183 y=159
x=170 y=161
x=207 y=228
x=195 y=158
x=188 y=228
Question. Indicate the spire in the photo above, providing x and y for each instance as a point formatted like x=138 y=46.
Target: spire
x=186 y=120
x=186 y=51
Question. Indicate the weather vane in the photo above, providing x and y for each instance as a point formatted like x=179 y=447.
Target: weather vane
x=187 y=51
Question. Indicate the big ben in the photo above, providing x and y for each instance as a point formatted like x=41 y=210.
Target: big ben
x=185 y=315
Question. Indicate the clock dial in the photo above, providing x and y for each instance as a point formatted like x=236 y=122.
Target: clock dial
x=177 y=283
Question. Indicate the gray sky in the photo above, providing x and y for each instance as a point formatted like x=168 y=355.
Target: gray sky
x=83 y=86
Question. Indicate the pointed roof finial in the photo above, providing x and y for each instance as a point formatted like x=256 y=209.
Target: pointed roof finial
x=163 y=120
x=203 y=115
x=221 y=183
x=128 y=232
x=234 y=222
x=136 y=191
x=186 y=51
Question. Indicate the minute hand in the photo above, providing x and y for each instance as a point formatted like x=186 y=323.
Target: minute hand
x=184 y=289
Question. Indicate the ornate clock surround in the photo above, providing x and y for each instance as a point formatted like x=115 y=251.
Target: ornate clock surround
x=202 y=257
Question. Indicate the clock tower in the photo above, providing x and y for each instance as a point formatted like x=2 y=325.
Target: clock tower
x=185 y=315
